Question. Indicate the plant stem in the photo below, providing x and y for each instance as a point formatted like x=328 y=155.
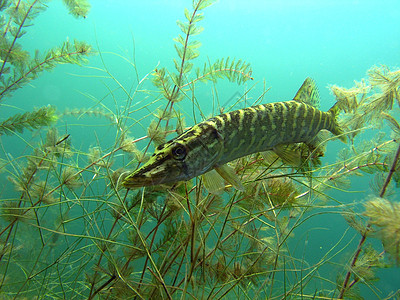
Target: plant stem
x=391 y=172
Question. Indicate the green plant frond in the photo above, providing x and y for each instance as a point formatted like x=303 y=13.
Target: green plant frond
x=163 y=82
x=368 y=261
x=170 y=232
x=354 y=123
x=377 y=183
x=180 y=122
x=186 y=48
x=202 y=4
x=385 y=215
x=186 y=69
x=190 y=28
x=231 y=69
x=348 y=99
x=78 y=8
x=156 y=134
x=95 y=158
x=187 y=54
x=351 y=294
x=43 y=116
x=388 y=82
x=68 y=53
x=355 y=221
x=392 y=122
x=180 y=40
x=16 y=57
x=12 y=211
x=163 y=115
x=381 y=102
x=127 y=144
x=281 y=192
x=70 y=178
x=196 y=17
x=97 y=112
x=39 y=193
x=384 y=78
x=23 y=13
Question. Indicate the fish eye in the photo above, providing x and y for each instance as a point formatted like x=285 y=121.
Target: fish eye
x=179 y=152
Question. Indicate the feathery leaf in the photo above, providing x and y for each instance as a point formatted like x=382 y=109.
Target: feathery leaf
x=43 y=116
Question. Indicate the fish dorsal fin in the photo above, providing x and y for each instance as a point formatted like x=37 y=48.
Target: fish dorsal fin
x=308 y=93
x=228 y=173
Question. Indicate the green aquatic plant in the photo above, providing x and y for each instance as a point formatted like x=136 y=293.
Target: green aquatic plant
x=175 y=86
x=384 y=215
x=388 y=83
x=18 y=67
x=29 y=120
x=78 y=8
x=378 y=209
x=68 y=229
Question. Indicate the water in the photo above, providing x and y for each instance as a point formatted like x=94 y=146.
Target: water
x=334 y=42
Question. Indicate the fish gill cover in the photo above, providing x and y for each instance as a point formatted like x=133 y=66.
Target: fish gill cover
x=298 y=227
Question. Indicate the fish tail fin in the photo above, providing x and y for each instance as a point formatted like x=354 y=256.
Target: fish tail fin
x=336 y=128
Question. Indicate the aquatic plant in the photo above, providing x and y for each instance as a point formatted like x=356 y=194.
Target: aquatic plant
x=18 y=67
x=69 y=230
x=28 y=120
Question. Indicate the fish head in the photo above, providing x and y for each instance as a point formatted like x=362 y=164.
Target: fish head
x=181 y=159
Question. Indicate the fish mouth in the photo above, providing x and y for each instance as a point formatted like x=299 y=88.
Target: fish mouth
x=136 y=181
x=153 y=173
x=141 y=178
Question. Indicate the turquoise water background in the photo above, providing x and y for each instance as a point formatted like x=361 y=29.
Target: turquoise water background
x=334 y=42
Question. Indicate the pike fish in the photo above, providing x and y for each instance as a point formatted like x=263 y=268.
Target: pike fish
x=209 y=145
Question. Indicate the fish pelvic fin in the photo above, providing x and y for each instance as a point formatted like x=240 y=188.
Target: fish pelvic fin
x=288 y=154
x=336 y=128
x=308 y=93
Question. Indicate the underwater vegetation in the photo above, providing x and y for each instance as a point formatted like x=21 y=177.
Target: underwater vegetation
x=18 y=67
x=70 y=230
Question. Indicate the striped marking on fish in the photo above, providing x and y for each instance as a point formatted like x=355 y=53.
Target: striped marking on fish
x=213 y=143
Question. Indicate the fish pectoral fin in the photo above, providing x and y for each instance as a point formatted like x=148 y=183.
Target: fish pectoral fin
x=229 y=174
x=288 y=154
x=213 y=182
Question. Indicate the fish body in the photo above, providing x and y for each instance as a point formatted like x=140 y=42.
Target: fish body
x=212 y=143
